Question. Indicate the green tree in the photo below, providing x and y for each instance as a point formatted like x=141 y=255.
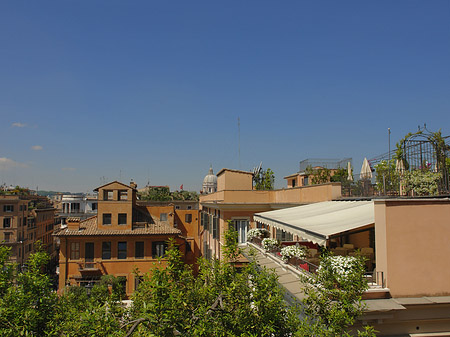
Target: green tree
x=27 y=301
x=318 y=175
x=387 y=177
x=98 y=312
x=265 y=180
x=340 y=175
x=219 y=301
x=162 y=193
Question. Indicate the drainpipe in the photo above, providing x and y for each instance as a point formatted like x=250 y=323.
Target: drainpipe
x=67 y=266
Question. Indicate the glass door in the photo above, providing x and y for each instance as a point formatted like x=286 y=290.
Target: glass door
x=241 y=227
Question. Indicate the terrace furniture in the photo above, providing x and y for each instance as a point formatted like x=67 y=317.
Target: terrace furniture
x=339 y=251
x=313 y=253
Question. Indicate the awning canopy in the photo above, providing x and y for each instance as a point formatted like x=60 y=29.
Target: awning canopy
x=317 y=222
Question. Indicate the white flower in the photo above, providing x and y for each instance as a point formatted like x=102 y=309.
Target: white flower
x=257 y=233
x=293 y=251
x=270 y=244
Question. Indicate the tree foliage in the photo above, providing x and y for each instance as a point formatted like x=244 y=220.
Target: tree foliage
x=264 y=180
x=27 y=301
x=387 y=176
x=163 y=193
x=340 y=175
x=221 y=300
x=318 y=175
x=333 y=297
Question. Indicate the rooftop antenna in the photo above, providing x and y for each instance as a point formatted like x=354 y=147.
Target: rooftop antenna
x=239 y=141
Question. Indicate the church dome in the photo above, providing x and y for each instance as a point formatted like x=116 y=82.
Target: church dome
x=210 y=182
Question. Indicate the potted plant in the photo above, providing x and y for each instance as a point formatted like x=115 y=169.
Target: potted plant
x=256 y=234
x=270 y=245
x=293 y=251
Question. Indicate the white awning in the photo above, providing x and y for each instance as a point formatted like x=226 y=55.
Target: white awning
x=317 y=222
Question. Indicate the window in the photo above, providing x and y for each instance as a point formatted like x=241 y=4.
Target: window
x=74 y=250
x=94 y=206
x=137 y=281
x=89 y=251
x=158 y=249
x=189 y=207
x=75 y=207
x=305 y=181
x=123 y=195
x=283 y=235
x=106 y=250
x=188 y=218
x=7 y=237
x=8 y=208
x=163 y=217
x=106 y=218
x=177 y=207
x=6 y=222
x=215 y=227
x=139 y=250
x=293 y=182
x=122 y=250
x=122 y=218
x=108 y=195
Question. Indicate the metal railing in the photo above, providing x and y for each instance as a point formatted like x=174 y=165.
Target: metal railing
x=375 y=279
x=297 y=263
x=88 y=265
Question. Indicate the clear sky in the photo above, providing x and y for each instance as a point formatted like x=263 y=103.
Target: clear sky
x=93 y=91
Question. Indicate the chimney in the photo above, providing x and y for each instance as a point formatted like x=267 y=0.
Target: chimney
x=73 y=223
x=133 y=184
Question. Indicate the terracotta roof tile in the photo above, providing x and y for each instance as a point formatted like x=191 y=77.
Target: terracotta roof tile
x=89 y=227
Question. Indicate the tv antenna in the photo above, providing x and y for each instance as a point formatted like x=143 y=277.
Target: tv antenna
x=239 y=141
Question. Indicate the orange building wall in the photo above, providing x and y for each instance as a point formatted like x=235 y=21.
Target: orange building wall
x=156 y=212
x=115 y=206
x=70 y=269
x=190 y=230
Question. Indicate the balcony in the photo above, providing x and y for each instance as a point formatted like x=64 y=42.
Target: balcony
x=89 y=266
x=309 y=265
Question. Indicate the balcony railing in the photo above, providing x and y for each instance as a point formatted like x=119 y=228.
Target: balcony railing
x=88 y=266
x=298 y=263
x=375 y=279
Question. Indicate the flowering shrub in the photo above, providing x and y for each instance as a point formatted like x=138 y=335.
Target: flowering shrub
x=293 y=251
x=342 y=267
x=270 y=244
x=257 y=233
x=333 y=295
x=422 y=182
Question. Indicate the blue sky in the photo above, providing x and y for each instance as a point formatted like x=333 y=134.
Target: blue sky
x=152 y=90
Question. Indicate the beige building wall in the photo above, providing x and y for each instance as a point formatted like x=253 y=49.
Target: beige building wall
x=234 y=180
x=412 y=247
x=294 y=196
